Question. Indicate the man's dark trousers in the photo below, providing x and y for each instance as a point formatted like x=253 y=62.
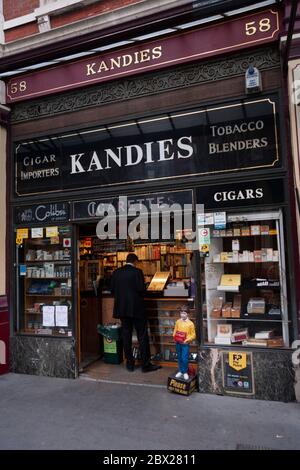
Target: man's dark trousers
x=141 y=326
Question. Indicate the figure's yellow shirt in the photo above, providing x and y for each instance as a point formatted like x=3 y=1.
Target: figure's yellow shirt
x=186 y=326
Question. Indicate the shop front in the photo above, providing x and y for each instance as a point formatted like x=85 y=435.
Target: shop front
x=71 y=188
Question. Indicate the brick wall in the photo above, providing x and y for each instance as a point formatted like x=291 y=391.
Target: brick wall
x=15 y=8
x=21 y=32
x=103 y=6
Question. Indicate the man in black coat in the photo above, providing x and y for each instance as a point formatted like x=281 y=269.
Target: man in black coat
x=128 y=288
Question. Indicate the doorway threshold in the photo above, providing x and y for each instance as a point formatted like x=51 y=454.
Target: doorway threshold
x=117 y=373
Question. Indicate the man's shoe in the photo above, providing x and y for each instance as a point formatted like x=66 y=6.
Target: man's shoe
x=130 y=366
x=179 y=375
x=186 y=376
x=150 y=367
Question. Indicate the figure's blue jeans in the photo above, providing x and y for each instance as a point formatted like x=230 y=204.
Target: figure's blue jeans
x=183 y=356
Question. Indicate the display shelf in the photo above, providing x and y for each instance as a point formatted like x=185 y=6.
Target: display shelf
x=48 y=295
x=247 y=320
x=42 y=261
x=253 y=256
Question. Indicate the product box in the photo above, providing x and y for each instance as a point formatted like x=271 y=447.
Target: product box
x=236 y=232
x=224 y=257
x=237 y=306
x=269 y=254
x=251 y=257
x=264 y=254
x=275 y=255
x=181 y=386
x=217 y=307
x=235 y=256
x=256 y=305
x=230 y=257
x=245 y=231
x=264 y=230
x=222 y=233
x=216 y=233
x=273 y=231
x=235 y=245
x=222 y=340
x=257 y=256
x=224 y=330
x=255 y=229
x=239 y=335
x=245 y=255
x=229 y=232
x=226 y=310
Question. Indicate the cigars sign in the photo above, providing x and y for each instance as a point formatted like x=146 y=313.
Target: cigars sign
x=226 y=36
x=235 y=137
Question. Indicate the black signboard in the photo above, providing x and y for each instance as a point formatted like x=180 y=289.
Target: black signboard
x=93 y=208
x=228 y=137
x=238 y=373
x=241 y=194
x=42 y=213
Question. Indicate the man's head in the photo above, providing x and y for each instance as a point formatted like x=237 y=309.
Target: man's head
x=132 y=259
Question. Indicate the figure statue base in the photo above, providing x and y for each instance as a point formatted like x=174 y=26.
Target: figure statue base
x=181 y=386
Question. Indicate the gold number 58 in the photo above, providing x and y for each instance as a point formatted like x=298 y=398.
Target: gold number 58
x=263 y=26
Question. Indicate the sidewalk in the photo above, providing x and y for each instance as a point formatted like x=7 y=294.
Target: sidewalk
x=48 y=413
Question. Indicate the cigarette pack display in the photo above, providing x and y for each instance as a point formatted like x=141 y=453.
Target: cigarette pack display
x=275 y=256
x=216 y=233
x=236 y=232
x=269 y=254
x=224 y=257
x=229 y=233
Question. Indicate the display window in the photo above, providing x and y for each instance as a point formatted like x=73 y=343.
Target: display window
x=244 y=292
x=44 y=280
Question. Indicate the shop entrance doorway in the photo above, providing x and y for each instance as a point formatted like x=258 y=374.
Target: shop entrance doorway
x=97 y=259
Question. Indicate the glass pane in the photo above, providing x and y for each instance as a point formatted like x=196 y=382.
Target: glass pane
x=244 y=284
x=44 y=282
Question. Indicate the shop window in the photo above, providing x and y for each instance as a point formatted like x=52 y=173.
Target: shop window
x=44 y=281
x=244 y=293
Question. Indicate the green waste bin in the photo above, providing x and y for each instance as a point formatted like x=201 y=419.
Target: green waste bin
x=112 y=343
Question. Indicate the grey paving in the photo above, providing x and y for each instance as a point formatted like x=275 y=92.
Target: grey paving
x=47 y=413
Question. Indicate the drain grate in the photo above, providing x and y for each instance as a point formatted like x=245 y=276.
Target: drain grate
x=251 y=447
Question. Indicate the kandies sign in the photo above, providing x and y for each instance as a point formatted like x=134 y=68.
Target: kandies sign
x=230 y=137
x=226 y=36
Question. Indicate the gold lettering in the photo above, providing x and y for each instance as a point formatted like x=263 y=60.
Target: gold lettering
x=136 y=57
x=90 y=70
x=156 y=52
x=145 y=55
x=103 y=66
x=127 y=60
x=115 y=62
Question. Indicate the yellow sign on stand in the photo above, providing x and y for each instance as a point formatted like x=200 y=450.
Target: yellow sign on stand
x=22 y=233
